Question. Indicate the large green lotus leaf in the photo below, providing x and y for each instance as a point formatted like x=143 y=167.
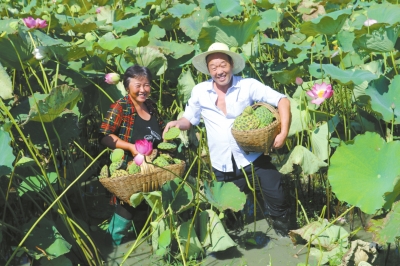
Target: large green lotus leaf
x=229 y=8
x=287 y=76
x=300 y=118
x=209 y=35
x=149 y=57
x=164 y=240
x=45 y=236
x=185 y=85
x=53 y=104
x=153 y=199
x=346 y=39
x=16 y=47
x=327 y=24
x=174 y=49
x=383 y=97
x=7 y=157
x=242 y=32
x=361 y=173
x=333 y=241
x=36 y=183
x=66 y=126
x=144 y=3
x=156 y=32
x=5 y=84
x=185 y=232
x=330 y=238
x=168 y=23
x=290 y=48
x=386 y=230
x=343 y=76
x=224 y=195
x=212 y=232
x=176 y=194
x=127 y=24
x=192 y=25
x=320 y=138
x=118 y=46
x=25 y=162
x=365 y=121
x=270 y=19
x=379 y=40
x=385 y=13
x=180 y=10
x=304 y=158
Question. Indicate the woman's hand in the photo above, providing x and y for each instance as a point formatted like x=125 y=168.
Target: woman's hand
x=132 y=149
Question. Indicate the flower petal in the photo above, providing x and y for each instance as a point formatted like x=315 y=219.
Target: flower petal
x=29 y=22
x=318 y=100
x=139 y=159
x=311 y=93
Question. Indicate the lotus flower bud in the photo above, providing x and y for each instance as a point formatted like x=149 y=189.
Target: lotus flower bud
x=299 y=81
x=112 y=78
x=370 y=22
x=35 y=23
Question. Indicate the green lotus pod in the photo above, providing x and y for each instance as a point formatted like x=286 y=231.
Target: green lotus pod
x=177 y=161
x=160 y=161
x=172 y=133
x=133 y=168
x=104 y=172
x=116 y=155
x=115 y=166
x=247 y=120
x=166 y=146
x=119 y=172
x=264 y=115
x=167 y=157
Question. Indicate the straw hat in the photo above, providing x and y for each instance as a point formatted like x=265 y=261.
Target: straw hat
x=199 y=61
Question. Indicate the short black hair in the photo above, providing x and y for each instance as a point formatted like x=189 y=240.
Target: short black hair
x=136 y=71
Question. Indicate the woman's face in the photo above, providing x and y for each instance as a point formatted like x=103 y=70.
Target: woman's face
x=139 y=89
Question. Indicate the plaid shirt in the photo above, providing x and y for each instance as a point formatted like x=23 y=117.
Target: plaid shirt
x=120 y=119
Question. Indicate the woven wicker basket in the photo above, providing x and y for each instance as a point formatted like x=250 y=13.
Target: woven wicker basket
x=259 y=140
x=124 y=186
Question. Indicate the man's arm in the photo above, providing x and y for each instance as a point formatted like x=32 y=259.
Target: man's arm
x=285 y=115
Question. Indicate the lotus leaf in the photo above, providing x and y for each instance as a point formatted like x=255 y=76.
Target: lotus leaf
x=192 y=25
x=185 y=85
x=5 y=84
x=384 y=96
x=25 y=162
x=7 y=157
x=304 y=158
x=224 y=195
x=164 y=240
x=212 y=232
x=153 y=199
x=327 y=24
x=386 y=230
x=362 y=172
x=176 y=195
x=36 y=183
x=46 y=237
x=192 y=248
x=149 y=57
x=379 y=40
x=320 y=137
x=229 y=8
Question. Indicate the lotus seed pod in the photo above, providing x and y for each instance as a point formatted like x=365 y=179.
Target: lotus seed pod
x=247 y=120
x=177 y=161
x=104 y=172
x=160 y=161
x=115 y=166
x=166 y=146
x=167 y=157
x=172 y=133
x=133 y=168
x=118 y=173
x=264 y=115
x=117 y=155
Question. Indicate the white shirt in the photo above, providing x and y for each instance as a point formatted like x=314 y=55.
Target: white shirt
x=244 y=92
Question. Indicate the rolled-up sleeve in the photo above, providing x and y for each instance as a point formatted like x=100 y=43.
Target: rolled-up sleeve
x=264 y=93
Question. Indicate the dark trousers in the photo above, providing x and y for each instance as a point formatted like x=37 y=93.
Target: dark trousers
x=269 y=183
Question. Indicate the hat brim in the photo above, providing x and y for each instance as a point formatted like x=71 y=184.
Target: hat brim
x=199 y=61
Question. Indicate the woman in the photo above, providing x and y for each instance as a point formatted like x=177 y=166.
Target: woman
x=131 y=118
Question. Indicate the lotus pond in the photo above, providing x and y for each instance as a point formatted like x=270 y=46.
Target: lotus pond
x=337 y=61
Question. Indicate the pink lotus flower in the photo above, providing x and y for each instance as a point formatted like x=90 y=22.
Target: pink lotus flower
x=370 y=22
x=144 y=148
x=320 y=92
x=112 y=78
x=35 y=23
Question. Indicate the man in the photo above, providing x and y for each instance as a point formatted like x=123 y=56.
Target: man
x=219 y=101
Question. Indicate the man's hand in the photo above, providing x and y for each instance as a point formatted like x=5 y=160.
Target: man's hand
x=279 y=141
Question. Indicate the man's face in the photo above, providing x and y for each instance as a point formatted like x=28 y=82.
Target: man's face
x=220 y=67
